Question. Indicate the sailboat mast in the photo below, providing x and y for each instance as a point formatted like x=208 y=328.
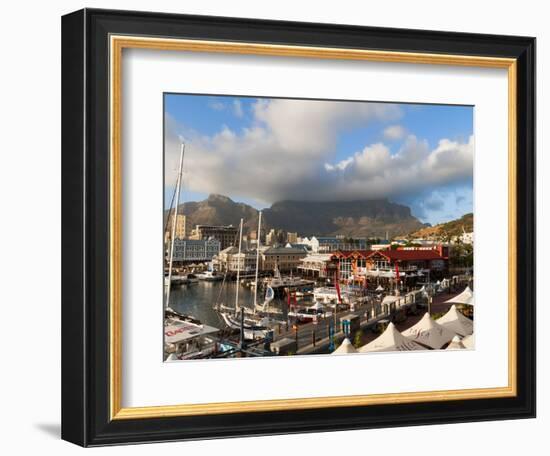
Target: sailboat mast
x=258 y=236
x=174 y=221
x=238 y=267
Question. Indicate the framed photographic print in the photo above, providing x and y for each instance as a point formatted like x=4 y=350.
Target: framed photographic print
x=276 y=227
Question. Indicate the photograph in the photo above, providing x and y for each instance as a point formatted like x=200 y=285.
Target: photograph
x=316 y=227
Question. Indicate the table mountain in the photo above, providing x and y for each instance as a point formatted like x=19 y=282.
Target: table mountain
x=364 y=218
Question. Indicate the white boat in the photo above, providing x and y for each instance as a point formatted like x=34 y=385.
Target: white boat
x=210 y=276
x=253 y=322
x=303 y=294
x=251 y=329
x=278 y=280
x=191 y=278
x=175 y=280
x=311 y=313
x=185 y=337
x=329 y=295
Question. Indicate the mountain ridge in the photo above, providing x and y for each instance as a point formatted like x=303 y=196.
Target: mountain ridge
x=357 y=218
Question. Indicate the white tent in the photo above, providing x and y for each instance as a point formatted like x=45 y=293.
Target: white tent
x=391 y=340
x=469 y=341
x=455 y=321
x=379 y=288
x=429 y=333
x=172 y=357
x=466 y=297
x=456 y=344
x=344 y=348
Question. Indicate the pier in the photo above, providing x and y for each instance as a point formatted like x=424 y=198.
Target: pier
x=314 y=337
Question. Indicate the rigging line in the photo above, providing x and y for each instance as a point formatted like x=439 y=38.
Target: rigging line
x=169 y=211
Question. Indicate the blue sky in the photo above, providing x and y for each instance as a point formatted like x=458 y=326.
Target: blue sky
x=260 y=150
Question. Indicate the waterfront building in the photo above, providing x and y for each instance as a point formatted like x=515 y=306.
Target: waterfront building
x=275 y=237
x=181 y=231
x=350 y=262
x=358 y=264
x=229 y=260
x=286 y=259
x=292 y=238
x=410 y=259
x=326 y=244
x=315 y=265
x=190 y=250
x=226 y=234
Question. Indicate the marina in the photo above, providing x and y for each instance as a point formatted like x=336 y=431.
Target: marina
x=228 y=297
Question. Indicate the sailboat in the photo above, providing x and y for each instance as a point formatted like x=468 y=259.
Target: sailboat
x=247 y=320
x=185 y=337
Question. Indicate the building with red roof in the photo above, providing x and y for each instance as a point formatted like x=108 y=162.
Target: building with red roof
x=408 y=261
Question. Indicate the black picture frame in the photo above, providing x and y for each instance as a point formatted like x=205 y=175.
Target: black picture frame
x=85 y=227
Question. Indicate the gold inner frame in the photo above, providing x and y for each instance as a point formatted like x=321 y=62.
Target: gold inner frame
x=117 y=44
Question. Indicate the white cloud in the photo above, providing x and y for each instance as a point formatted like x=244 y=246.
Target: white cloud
x=394 y=132
x=288 y=150
x=376 y=172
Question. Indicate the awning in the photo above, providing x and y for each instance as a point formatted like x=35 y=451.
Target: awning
x=391 y=340
x=466 y=297
x=344 y=348
x=455 y=321
x=428 y=332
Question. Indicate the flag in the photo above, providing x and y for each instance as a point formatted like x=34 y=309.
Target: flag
x=269 y=294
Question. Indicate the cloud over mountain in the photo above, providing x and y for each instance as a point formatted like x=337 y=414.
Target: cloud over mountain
x=288 y=150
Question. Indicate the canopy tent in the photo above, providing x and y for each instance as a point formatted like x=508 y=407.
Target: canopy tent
x=391 y=340
x=455 y=321
x=379 y=288
x=456 y=344
x=429 y=333
x=466 y=297
x=344 y=348
x=469 y=341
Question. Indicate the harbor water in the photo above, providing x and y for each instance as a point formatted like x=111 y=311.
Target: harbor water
x=198 y=299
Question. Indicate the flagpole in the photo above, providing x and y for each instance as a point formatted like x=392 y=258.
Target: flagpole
x=239 y=266
x=257 y=257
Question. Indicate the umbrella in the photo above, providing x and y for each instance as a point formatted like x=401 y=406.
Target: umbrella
x=344 y=348
x=391 y=340
x=455 y=321
x=429 y=333
x=466 y=297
